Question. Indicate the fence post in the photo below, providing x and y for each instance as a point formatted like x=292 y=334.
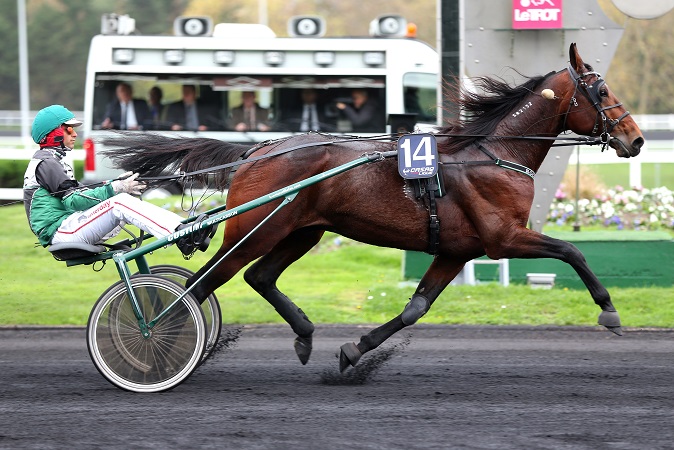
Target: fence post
x=635 y=172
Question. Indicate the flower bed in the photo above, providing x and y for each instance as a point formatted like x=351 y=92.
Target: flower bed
x=617 y=208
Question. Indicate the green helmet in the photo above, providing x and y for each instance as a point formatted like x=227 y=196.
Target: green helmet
x=50 y=118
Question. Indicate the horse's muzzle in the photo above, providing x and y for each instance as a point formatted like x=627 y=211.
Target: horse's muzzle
x=624 y=151
x=636 y=146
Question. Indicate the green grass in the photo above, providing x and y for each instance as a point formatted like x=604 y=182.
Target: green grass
x=347 y=283
x=652 y=174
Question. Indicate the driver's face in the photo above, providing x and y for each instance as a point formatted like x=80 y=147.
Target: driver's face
x=69 y=136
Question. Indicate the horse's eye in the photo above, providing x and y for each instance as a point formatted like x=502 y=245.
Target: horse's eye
x=603 y=92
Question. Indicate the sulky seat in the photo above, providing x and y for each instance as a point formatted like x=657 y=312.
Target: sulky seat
x=73 y=250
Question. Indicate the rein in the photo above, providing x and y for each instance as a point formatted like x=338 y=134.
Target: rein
x=269 y=155
x=384 y=137
x=587 y=140
x=513 y=165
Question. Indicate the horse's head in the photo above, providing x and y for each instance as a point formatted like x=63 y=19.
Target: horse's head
x=592 y=109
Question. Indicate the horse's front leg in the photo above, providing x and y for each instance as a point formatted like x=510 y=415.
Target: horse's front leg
x=530 y=244
x=441 y=271
x=262 y=277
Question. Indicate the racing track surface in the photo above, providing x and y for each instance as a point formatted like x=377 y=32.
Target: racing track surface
x=428 y=387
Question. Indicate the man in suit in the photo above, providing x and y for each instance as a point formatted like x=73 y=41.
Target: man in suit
x=156 y=119
x=249 y=116
x=188 y=113
x=126 y=112
x=311 y=115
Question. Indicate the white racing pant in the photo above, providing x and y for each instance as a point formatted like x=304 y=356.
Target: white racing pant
x=105 y=220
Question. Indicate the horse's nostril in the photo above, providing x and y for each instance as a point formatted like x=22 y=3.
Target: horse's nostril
x=638 y=143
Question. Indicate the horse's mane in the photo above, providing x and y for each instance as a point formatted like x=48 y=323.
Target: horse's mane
x=479 y=111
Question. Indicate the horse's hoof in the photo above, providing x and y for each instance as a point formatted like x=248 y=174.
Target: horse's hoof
x=611 y=320
x=303 y=348
x=616 y=330
x=348 y=356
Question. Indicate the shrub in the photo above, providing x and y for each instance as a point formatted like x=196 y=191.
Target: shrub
x=12 y=170
x=617 y=208
x=11 y=173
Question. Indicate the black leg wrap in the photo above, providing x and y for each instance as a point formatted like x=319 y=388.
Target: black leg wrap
x=301 y=324
x=415 y=309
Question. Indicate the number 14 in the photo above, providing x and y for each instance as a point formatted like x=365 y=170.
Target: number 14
x=424 y=151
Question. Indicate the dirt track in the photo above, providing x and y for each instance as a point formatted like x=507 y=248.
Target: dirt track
x=431 y=387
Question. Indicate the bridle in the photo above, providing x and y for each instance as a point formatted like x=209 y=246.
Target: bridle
x=591 y=92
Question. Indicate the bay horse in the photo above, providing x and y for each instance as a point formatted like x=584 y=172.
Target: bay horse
x=485 y=209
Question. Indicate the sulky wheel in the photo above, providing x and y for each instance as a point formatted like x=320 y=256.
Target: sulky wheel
x=210 y=306
x=166 y=356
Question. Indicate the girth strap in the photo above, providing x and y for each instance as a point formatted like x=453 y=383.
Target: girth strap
x=434 y=222
x=430 y=189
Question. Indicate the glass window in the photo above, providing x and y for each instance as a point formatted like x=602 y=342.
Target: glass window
x=420 y=96
x=159 y=104
x=342 y=104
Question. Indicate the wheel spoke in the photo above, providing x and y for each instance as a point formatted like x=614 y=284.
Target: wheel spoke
x=153 y=363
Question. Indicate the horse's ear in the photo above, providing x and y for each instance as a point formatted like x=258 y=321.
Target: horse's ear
x=575 y=60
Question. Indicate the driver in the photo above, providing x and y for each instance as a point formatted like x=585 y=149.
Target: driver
x=62 y=210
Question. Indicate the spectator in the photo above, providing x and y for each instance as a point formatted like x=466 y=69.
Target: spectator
x=188 y=113
x=125 y=112
x=156 y=108
x=311 y=116
x=249 y=116
x=364 y=113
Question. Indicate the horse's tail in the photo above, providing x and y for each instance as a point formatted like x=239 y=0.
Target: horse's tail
x=155 y=155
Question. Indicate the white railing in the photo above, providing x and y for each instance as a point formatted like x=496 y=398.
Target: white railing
x=609 y=157
x=654 y=122
x=20 y=153
x=12 y=118
x=658 y=151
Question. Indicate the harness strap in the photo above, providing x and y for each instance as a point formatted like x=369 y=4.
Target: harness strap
x=434 y=222
x=497 y=161
x=573 y=140
x=591 y=92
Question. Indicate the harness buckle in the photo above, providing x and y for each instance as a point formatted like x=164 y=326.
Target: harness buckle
x=604 y=138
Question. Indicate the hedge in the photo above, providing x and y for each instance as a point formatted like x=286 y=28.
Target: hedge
x=11 y=172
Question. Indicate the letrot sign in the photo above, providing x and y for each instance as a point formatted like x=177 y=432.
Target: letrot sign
x=537 y=14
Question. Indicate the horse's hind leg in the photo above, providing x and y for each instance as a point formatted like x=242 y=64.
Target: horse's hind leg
x=262 y=277
x=437 y=277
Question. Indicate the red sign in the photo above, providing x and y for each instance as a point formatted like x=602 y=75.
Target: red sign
x=537 y=14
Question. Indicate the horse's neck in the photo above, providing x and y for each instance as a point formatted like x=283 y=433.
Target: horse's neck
x=532 y=118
